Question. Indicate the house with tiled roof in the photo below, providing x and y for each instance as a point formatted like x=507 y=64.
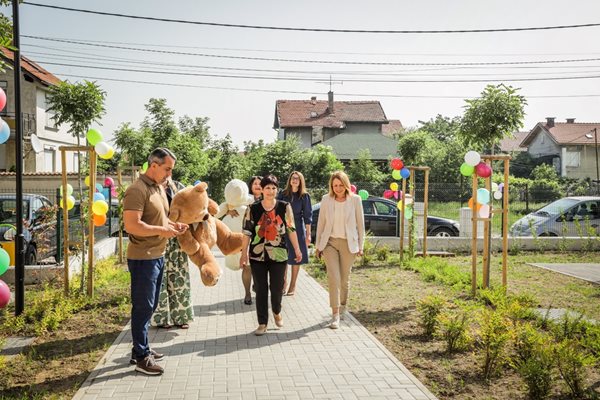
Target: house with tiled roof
x=36 y=120
x=572 y=147
x=346 y=126
x=512 y=145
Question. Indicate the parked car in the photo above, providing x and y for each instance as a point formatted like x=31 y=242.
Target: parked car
x=381 y=220
x=39 y=220
x=569 y=216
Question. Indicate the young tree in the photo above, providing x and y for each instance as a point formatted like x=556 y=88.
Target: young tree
x=444 y=129
x=160 y=121
x=224 y=165
x=488 y=119
x=363 y=169
x=79 y=105
x=320 y=162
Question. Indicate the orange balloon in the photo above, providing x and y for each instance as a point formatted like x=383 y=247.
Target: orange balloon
x=99 y=220
x=470 y=204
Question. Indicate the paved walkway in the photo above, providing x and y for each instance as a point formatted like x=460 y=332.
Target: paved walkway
x=219 y=358
x=587 y=271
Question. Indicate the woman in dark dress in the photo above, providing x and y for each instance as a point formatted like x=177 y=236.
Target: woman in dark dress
x=295 y=194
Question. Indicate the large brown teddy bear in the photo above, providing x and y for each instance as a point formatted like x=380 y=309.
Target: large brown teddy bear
x=192 y=206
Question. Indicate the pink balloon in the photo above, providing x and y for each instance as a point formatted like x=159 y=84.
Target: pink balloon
x=398 y=194
x=483 y=170
x=2 y=99
x=388 y=194
x=4 y=294
x=109 y=182
x=353 y=188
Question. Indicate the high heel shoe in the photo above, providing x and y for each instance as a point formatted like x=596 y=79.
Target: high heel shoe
x=278 y=320
x=261 y=330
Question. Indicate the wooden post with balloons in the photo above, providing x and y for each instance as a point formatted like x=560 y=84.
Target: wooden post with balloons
x=481 y=204
x=425 y=207
x=400 y=172
x=96 y=201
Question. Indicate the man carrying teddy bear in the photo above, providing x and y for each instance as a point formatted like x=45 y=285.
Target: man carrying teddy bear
x=145 y=215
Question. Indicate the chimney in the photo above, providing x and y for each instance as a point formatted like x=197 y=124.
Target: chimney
x=330 y=96
x=313 y=100
x=570 y=120
x=550 y=121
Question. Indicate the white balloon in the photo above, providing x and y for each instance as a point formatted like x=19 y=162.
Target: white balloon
x=497 y=195
x=484 y=211
x=102 y=148
x=472 y=158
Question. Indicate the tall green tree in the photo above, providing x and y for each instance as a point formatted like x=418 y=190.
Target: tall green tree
x=442 y=128
x=320 y=162
x=498 y=113
x=363 y=169
x=160 y=120
x=224 y=164
x=78 y=105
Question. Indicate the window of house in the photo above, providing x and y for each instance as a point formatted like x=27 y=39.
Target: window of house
x=49 y=122
x=573 y=157
x=75 y=161
x=49 y=159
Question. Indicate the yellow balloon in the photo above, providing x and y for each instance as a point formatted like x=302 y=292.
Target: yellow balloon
x=108 y=155
x=100 y=207
x=87 y=180
x=70 y=202
x=394 y=186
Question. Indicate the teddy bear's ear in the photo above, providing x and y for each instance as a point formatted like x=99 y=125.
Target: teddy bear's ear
x=201 y=187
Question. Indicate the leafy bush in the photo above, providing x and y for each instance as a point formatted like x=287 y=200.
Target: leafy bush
x=537 y=371
x=429 y=309
x=383 y=252
x=572 y=364
x=493 y=336
x=453 y=328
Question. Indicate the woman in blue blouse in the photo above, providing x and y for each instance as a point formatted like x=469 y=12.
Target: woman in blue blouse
x=295 y=194
x=268 y=224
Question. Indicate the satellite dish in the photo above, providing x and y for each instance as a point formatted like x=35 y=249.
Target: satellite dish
x=36 y=145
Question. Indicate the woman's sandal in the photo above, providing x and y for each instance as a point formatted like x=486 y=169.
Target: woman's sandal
x=248 y=301
x=183 y=326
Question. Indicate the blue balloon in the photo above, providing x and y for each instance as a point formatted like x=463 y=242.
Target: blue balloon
x=197 y=182
x=99 y=196
x=106 y=193
x=405 y=173
x=4 y=131
x=99 y=187
x=483 y=196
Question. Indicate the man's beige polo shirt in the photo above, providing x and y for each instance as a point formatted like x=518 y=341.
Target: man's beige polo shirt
x=147 y=196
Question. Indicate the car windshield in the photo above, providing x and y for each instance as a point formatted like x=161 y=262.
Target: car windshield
x=8 y=211
x=557 y=207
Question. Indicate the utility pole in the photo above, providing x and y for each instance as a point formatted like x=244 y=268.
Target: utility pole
x=20 y=239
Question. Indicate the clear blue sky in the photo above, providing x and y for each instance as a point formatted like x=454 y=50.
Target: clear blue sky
x=248 y=115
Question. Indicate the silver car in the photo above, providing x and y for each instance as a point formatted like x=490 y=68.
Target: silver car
x=569 y=216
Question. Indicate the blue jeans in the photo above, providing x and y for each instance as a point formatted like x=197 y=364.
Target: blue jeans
x=146 y=278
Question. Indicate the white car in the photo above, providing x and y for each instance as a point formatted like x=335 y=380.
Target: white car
x=569 y=216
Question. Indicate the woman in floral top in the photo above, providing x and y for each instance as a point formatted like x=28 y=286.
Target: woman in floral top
x=267 y=223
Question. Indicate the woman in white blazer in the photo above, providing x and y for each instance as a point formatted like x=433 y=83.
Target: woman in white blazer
x=340 y=238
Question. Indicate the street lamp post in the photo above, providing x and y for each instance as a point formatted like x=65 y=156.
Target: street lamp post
x=597 y=169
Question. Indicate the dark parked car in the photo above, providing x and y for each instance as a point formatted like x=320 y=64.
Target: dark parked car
x=381 y=220
x=39 y=225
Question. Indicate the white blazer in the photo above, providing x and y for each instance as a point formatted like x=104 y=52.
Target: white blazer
x=355 y=222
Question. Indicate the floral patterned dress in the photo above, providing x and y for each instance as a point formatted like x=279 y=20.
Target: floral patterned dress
x=268 y=231
x=175 y=303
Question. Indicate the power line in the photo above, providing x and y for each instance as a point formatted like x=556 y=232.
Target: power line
x=324 y=52
x=554 y=78
x=304 y=93
x=340 y=75
x=314 y=61
x=329 y=30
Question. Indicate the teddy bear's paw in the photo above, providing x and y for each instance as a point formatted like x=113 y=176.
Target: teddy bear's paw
x=210 y=274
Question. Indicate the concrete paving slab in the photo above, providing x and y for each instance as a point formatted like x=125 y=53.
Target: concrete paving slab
x=219 y=357
x=587 y=271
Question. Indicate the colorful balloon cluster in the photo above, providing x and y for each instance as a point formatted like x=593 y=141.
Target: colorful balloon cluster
x=67 y=201
x=100 y=206
x=362 y=192
x=473 y=164
x=4 y=128
x=4 y=263
x=399 y=171
x=104 y=150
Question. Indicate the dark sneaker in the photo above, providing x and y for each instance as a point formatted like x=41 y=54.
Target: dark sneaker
x=157 y=357
x=149 y=367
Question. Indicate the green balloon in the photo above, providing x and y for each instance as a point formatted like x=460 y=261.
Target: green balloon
x=94 y=137
x=4 y=261
x=363 y=194
x=466 y=169
x=408 y=213
x=144 y=167
x=396 y=174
